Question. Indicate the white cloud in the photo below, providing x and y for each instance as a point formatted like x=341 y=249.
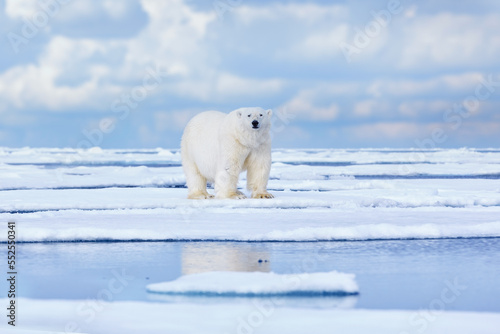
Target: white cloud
x=115 y=8
x=172 y=37
x=303 y=107
x=231 y=85
x=318 y=45
x=448 y=39
x=316 y=29
x=386 y=131
x=463 y=83
x=473 y=129
x=77 y=73
x=415 y=134
x=291 y=135
x=31 y=87
x=308 y=13
x=17 y=9
x=207 y=61
x=213 y=86
x=410 y=12
x=63 y=54
x=35 y=86
x=414 y=109
x=173 y=120
x=364 y=108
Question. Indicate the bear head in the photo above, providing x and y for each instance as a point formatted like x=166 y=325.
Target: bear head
x=255 y=119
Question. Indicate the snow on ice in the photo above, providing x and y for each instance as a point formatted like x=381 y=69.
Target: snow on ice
x=57 y=316
x=95 y=194
x=69 y=195
x=232 y=283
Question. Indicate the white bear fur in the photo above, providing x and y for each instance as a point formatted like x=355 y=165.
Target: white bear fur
x=216 y=147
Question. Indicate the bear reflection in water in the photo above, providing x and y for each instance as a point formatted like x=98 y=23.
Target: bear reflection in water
x=200 y=257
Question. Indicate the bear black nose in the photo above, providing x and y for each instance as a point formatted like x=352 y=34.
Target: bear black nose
x=255 y=123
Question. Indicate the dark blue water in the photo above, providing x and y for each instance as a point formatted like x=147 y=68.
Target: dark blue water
x=398 y=274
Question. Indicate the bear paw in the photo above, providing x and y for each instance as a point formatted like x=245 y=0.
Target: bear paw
x=238 y=195
x=200 y=196
x=262 y=195
x=234 y=195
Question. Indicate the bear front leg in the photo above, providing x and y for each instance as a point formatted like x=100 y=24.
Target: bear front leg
x=258 y=167
x=226 y=183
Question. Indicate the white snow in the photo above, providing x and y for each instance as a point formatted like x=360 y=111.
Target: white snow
x=89 y=195
x=259 y=316
x=247 y=224
x=26 y=168
x=95 y=195
x=230 y=283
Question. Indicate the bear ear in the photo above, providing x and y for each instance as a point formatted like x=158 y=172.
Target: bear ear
x=269 y=112
x=239 y=113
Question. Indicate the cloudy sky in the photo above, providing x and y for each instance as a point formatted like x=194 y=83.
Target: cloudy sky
x=340 y=74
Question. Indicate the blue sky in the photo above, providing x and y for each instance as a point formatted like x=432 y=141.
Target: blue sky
x=340 y=74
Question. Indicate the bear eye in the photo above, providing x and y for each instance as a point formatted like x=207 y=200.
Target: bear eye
x=249 y=115
x=260 y=115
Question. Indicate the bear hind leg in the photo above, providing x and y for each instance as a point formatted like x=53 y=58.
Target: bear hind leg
x=196 y=183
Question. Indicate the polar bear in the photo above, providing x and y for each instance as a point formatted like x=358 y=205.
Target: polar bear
x=216 y=147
